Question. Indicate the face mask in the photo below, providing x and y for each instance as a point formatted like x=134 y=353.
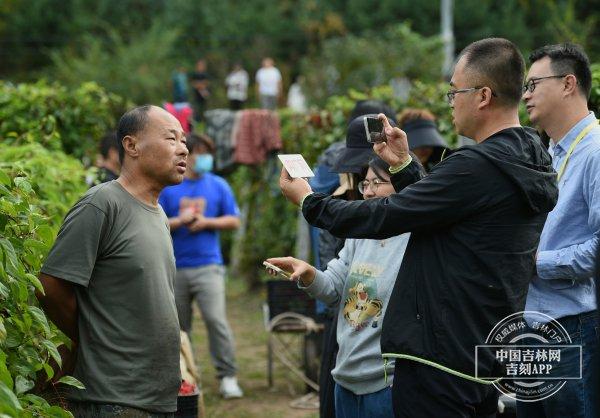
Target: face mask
x=204 y=164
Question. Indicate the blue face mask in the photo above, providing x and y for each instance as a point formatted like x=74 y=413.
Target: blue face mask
x=204 y=164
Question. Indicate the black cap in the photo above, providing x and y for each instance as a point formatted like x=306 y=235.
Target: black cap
x=423 y=133
x=367 y=107
x=358 y=152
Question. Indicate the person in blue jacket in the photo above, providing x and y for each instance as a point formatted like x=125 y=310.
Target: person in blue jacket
x=198 y=208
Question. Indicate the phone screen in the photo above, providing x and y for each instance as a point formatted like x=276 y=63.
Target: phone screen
x=374 y=129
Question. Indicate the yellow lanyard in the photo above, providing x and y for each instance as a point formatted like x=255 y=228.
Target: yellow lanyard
x=583 y=133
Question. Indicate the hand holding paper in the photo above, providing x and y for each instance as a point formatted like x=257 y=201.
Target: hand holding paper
x=294 y=189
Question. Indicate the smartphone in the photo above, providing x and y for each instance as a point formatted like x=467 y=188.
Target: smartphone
x=374 y=129
x=277 y=269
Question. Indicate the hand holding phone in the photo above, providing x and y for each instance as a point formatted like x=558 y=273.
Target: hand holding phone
x=295 y=269
x=277 y=270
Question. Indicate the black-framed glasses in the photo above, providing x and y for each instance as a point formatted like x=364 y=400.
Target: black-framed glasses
x=451 y=93
x=530 y=85
x=373 y=184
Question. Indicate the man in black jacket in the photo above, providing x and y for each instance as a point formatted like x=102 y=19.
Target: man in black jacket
x=475 y=220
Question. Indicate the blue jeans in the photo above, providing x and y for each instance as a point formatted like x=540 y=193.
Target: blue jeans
x=371 y=405
x=577 y=398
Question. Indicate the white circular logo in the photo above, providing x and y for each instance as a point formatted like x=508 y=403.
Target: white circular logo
x=532 y=350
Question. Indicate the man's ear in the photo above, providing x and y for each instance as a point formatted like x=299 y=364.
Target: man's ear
x=570 y=84
x=131 y=145
x=485 y=97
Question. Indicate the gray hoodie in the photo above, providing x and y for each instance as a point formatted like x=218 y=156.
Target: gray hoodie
x=362 y=279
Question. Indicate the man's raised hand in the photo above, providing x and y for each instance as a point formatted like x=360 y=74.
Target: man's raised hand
x=394 y=150
x=293 y=189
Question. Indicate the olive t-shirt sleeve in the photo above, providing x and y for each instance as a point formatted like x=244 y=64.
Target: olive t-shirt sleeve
x=77 y=245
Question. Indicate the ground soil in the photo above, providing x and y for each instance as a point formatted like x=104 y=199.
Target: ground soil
x=245 y=314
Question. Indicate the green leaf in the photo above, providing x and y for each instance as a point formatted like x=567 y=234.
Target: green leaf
x=71 y=381
x=57 y=412
x=35 y=400
x=9 y=400
x=53 y=351
x=35 y=282
x=13 y=339
x=4 y=178
x=9 y=250
x=23 y=184
x=23 y=385
x=49 y=371
x=40 y=317
x=5 y=376
x=2 y=330
x=34 y=244
x=46 y=234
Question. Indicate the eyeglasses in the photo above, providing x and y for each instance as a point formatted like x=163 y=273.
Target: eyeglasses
x=530 y=85
x=451 y=93
x=373 y=184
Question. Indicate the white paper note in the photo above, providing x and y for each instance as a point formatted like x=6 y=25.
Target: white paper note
x=296 y=165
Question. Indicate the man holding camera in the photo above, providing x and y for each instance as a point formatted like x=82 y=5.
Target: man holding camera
x=475 y=220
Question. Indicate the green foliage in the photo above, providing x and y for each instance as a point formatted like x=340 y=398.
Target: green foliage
x=103 y=40
x=373 y=59
x=137 y=68
x=58 y=180
x=595 y=93
x=28 y=342
x=71 y=120
x=565 y=25
x=38 y=185
x=271 y=226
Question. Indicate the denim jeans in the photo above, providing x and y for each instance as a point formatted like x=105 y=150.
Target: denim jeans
x=577 y=398
x=370 y=405
x=206 y=286
x=97 y=410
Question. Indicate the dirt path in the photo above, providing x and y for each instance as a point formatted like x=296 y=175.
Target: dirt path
x=245 y=316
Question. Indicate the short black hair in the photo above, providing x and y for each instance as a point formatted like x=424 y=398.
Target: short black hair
x=131 y=123
x=108 y=141
x=496 y=63
x=567 y=58
x=194 y=140
x=379 y=167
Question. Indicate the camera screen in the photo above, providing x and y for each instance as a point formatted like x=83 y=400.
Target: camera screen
x=375 y=125
x=374 y=128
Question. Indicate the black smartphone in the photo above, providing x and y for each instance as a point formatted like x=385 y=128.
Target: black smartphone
x=374 y=129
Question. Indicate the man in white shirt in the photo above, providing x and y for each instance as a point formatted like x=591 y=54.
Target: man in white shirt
x=268 y=84
x=237 y=87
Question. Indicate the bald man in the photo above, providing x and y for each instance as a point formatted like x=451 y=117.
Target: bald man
x=108 y=279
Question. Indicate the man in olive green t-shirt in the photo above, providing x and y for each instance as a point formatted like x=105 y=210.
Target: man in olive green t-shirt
x=108 y=279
